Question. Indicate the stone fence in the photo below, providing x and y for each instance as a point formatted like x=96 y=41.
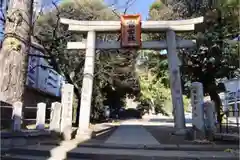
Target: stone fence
x=17 y=118
x=60 y=118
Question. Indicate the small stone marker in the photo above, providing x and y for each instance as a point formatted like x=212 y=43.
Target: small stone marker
x=209 y=107
x=55 y=117
x=197 y=108
x=41 y=116
x=66 y=118
x=17 y=116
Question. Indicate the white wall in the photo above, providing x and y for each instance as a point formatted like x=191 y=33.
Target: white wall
x=232 y=92
x=233 y=89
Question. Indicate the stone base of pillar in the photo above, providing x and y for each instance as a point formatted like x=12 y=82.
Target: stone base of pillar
x=181 y=132
x=191 y=134
x=186 y=133
x=85 y=134
x=210 y=135
x=67 y=133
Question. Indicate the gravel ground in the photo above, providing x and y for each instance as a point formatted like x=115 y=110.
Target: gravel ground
x=102 y=132
x=163 y=135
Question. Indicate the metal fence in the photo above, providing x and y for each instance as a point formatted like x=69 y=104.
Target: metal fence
x=231 y=106
x=230 y=122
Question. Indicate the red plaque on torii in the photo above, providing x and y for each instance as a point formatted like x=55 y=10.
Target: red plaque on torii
x=131 y=31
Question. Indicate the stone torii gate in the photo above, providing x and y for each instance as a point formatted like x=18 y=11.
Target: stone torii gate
x=171 y=44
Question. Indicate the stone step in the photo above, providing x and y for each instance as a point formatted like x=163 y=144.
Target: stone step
x=25 y=137
x=181 y=147
x=69 y=152
x=28 y=157
x=166 y=147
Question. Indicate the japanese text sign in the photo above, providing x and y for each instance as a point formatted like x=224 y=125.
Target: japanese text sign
x=130 y=30
x=197 y=105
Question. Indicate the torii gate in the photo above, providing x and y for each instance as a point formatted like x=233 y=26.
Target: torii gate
x=90 y=45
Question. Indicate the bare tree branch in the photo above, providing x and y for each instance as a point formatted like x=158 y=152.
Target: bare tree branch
x=129 y=3
x=39 y=14
x=40 y=56
x=42 y=66
x=2 y=15
x=53 y=47
x=115 y=12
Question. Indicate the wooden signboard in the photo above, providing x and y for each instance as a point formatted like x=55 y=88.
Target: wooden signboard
x=131 y=31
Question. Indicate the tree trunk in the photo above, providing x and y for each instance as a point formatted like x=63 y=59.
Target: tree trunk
x=78 y=108
x=15 y=48
x=215 y=97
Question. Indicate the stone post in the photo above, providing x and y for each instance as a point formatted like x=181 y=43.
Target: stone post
x=87 y=86
x=41 y=116
x=197 y=109
x=209 y=108
x=66 y=118
x=175 y=82
x=17 y=116
x=55 y=117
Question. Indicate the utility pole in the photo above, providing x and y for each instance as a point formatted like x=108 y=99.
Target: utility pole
x=15 y=49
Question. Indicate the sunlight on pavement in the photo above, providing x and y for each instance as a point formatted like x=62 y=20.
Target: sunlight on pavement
x=160 y=120
x=61 y=151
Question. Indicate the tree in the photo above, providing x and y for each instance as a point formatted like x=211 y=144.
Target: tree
x=213 y=59
x=16 y=44
x=114 y=69
x=154 y=83
x=153 y=72
x=159 y=10
x=154 y=93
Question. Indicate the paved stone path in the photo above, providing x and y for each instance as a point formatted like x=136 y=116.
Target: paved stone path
x=132 y=132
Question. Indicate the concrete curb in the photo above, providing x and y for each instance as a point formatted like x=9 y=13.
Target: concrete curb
x=227 y=137
x=14 y=139
x=165 y=147
x=26 y=133
x=103 y=154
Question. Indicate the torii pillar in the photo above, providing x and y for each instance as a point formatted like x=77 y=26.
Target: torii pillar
x=87 y=87
x=175 y=82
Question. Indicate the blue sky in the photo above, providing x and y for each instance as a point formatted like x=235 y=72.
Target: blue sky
x=137 y=7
